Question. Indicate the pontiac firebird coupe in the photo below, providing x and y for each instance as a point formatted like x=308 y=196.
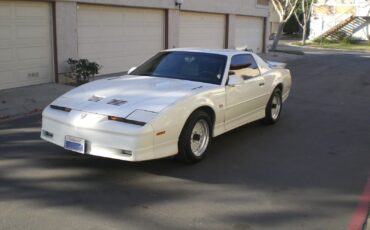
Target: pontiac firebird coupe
x=173 y=104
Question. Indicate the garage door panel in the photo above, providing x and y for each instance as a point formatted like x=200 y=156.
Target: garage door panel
x=5 y=10
x=202 y=30
x=111 y=17
x=118 y=49
x=36 y=74
x=33 y=32
x=7 y=77
x=102 y=52
x=31 y=9
x=25 y=43
x=5 y=32
x=34 y=64
x=87 y=17
x=89 y=33
x=249 y=33
x=6 y=55
x=32 y=53
x=118 y=37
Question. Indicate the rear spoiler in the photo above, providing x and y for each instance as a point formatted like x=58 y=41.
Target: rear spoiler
x=276 y=65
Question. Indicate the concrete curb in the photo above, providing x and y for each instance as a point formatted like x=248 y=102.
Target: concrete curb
x=328 y=49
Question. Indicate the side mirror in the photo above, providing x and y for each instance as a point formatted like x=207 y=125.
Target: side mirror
x=131 y=70
x=235 y=80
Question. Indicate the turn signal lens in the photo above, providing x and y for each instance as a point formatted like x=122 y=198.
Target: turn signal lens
x=112 y=118
x=65 y=109
x=121 y=119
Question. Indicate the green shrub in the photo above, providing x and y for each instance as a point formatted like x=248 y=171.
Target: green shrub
x=351 y=40
x=83 y=69
x=323 y=41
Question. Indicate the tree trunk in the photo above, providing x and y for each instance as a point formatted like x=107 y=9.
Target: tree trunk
x=304 y=35
x=278 y=35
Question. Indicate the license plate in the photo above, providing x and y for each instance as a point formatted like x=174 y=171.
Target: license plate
x=75 y=144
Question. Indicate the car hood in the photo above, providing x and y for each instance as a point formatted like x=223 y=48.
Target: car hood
x=123 y=95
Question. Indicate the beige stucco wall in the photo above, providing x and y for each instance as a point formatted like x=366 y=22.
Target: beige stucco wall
x=231 y=30
x=66 y=33
x=273 y=20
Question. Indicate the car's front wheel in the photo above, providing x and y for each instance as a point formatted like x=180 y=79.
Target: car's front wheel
x=195 y=138
x=273 y=108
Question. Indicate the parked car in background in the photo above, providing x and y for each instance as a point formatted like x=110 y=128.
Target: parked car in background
x=173 y=104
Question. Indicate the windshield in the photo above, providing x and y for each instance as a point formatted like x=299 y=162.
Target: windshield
x=192 y=66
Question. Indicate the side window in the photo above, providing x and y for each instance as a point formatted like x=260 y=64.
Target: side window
x=245 y=66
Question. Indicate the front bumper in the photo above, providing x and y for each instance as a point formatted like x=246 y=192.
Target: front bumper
x=103 y=137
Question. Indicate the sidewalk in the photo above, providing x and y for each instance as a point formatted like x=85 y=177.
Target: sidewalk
x=28 y=100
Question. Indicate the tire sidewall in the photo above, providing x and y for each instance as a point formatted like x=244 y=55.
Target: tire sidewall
x=184 y=145
x=269 y=119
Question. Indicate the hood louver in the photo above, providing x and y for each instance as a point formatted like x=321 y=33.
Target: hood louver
x=95 y=98
x=117 y=102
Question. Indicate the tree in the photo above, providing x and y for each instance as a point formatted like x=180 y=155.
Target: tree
x=305 y=9
x=284 y=9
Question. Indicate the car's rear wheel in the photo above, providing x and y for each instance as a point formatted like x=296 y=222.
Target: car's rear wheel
x=273 y=108
x=195 y=138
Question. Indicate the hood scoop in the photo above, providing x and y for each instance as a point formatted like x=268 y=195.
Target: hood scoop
x=117 y=102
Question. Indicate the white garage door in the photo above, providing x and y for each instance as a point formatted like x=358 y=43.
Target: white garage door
x=249 y=33
x=117 y=37
x=202 y=30
x=25 y=44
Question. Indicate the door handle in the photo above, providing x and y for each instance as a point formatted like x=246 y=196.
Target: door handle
x=261 y=84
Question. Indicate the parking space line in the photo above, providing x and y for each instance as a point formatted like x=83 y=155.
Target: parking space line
x=362 y=210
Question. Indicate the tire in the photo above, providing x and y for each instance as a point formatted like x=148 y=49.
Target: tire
x=195 y=138
x=273 y=108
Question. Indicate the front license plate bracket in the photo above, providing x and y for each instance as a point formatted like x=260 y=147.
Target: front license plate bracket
x=75 y=144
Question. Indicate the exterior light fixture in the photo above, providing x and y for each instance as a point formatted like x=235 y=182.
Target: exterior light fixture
x=179 y=3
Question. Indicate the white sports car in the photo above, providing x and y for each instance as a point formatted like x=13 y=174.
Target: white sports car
x=173 y=104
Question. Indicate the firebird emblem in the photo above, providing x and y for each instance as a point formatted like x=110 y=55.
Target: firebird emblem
x=83 y=115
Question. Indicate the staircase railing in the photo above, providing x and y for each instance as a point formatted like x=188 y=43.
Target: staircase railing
x=341 y=18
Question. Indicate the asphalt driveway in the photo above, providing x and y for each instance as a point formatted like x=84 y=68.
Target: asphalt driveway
x=306 y=172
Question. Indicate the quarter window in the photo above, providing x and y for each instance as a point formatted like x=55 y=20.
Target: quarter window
x=245 y=66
